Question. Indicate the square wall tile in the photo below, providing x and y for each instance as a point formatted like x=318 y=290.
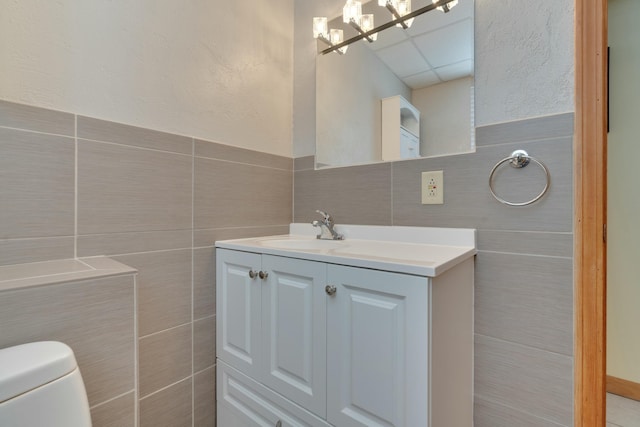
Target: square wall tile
x=529 y=243
x=525 y=299
x=102 y=130
x=214 y=150
x=352 y=195
x=525 y=379
x=132 y=242
x=164 y=359
x=204 y=283
x=554 y=126
x=304 y=163
x=93 y=317
x=170 y=407
x=36 y=185
x=204 y=399
x=233 y=195
x=204 y=343
x=119 y=412
x=23 y=251
x=124 y=189
x=36 y=119
x=208 y=237
x=493 y=414
x=164 y=289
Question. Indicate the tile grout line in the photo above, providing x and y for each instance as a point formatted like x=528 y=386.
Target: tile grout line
x=193 y=203
x=136 y=354
x=391 y=191
x=75 y=187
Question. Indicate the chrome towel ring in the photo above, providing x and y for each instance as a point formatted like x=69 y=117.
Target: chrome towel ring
x=518 y=160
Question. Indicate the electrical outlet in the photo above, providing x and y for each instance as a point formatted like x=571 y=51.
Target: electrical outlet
x=432 y=188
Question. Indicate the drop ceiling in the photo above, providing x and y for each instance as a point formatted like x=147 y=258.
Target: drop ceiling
x=438 y=47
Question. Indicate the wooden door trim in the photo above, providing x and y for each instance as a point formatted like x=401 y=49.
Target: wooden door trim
x=590 y=213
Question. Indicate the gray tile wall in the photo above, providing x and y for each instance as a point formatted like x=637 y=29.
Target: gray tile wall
x=524 y=268
x=79 y=186
x=96 y=319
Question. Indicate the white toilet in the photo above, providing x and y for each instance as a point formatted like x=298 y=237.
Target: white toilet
x=41 y=386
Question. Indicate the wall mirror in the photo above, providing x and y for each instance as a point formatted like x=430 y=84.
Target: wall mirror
x=424 y=74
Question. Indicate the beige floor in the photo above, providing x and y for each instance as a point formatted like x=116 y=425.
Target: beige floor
x=622 y=412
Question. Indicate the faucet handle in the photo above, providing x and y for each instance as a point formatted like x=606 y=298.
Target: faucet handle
x=326 y=216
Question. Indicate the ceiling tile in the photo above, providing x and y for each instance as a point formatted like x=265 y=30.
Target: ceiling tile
x=447 y=45
x=455 y=71
x=418 y=81
x=403 y=59
x=435 y=19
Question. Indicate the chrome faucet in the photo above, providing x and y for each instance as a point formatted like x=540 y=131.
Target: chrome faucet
x=326 y=223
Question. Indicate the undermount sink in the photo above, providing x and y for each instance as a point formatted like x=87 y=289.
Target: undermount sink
x=304 y=244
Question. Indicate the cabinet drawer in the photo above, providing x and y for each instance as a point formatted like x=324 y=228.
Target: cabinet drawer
x=247 y=402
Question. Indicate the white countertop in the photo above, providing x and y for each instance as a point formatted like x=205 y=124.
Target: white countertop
x=423 y=251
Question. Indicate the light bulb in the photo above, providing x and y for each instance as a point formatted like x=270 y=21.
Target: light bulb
x=337 y=37
x=320 y=27
x=366 y=24
x=447 y=7
x=404 y=7
x=352 y=11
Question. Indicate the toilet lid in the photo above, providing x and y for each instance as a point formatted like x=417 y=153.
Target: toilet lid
x=28 y=366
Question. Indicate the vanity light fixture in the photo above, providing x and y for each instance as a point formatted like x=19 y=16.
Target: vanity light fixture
x=398 y=9
x=352 y=15
x=331 y=37
x=446 y=7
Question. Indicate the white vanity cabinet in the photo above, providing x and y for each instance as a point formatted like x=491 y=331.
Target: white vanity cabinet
x=271 y=317
x=305 y=340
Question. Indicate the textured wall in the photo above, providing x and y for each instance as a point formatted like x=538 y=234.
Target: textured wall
x=74 y=185
x=220 y=71
x=524 y=59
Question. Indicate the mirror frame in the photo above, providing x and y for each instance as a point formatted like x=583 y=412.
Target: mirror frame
x=590 y=213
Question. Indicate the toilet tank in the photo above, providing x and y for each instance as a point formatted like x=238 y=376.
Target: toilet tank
x=41 y=385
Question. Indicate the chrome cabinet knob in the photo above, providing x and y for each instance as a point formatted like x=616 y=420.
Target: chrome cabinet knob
x=263 y=275
x=253 y=274
x=330 y=289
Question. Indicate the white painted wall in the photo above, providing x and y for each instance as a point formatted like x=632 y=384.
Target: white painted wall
x=445 y=119
x=304 y=66
x=524 y=62
x=623 y=237
x=212 y=69
x=353 y=85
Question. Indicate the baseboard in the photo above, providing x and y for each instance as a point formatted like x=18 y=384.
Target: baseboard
x=623 y=388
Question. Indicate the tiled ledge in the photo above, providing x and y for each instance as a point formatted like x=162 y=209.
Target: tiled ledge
x=59 y=271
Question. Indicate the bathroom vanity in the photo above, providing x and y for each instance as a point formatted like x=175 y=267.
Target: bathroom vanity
x=373 y=330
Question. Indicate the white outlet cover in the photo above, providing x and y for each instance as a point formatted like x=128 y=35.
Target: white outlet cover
x=432 y=188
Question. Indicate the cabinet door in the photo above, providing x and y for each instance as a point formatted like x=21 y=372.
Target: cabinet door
x=377 y=349
x=238 y=299
x=294 y=331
